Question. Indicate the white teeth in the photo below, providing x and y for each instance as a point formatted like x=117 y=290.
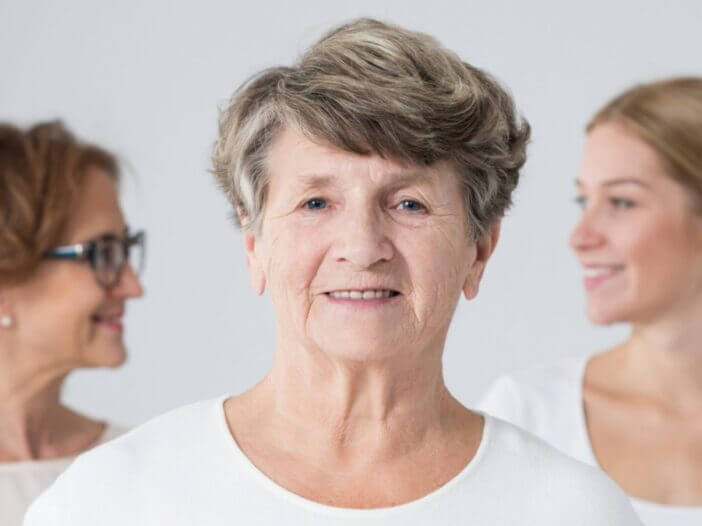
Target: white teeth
x=595 y=272
x=360 y=295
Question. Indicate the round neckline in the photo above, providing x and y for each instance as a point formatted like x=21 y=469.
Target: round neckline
x=585 y=436
x=36 y=465
x=242 y=460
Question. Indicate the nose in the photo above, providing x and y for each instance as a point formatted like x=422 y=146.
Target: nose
x=362 y=240
x=128 y=285
x=587 y=234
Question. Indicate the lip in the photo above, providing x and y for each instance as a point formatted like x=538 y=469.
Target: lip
x=599 y=274
x=358 y=286
x=355 y=296
x=111 y=321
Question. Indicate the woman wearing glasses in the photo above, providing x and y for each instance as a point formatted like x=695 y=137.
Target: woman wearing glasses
x=65 y=276
x=634 y=410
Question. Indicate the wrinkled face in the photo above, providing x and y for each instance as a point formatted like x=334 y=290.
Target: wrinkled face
x=638 y=240
x=64 y=318
x=363 y=257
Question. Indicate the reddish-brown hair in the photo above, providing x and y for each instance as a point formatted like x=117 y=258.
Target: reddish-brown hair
x=41 y=172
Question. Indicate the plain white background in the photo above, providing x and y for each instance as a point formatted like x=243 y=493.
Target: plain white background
x=146 y=79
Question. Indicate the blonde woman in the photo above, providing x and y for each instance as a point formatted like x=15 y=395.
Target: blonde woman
x=634 y=410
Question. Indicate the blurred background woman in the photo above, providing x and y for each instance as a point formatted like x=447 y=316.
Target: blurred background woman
x=636 y=409
x=65 y=277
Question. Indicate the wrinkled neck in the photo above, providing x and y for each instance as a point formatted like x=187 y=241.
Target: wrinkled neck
x=377 y=407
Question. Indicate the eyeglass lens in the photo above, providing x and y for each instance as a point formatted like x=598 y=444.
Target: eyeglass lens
x=111 y=256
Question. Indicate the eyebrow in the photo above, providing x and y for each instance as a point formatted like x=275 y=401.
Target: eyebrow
x=107 y=233
x=398 y=179
x=619 y=181
x=316 y=180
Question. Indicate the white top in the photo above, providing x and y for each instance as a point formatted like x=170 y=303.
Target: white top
x=185 y=468
x=548 y=401
x=22 y=482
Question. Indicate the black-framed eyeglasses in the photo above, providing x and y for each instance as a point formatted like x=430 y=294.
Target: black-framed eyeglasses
x=108 y=255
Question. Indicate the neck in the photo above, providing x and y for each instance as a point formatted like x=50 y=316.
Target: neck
x=666 y=357
x=341 y=407
x=30 y=407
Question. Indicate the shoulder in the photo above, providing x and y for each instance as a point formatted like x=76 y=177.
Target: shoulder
x=516 y=447
x=111 y=432
x=95 y=485
x=521 y=396
x=553 y=482
x=175 y=430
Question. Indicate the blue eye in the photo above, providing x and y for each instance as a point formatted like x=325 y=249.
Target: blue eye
x=411 y=205
x=619 y=202
x=316 y=203
x=581 y=201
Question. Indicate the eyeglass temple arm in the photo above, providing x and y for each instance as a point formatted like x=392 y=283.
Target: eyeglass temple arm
x=68 y=252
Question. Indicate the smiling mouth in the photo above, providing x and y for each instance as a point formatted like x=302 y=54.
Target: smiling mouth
x=110 y=321
x=367 y=294
x=603 y=271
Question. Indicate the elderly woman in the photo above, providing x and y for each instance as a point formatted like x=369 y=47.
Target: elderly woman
x=64 y=281
x=634 y=410
x=369 y=180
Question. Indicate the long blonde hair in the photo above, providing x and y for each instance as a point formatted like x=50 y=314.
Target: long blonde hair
x=666 y=114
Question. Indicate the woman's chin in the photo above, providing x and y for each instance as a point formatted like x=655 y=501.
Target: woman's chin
x=605 y=314
x=364 y=355
x=112 y=355
x=360 y=348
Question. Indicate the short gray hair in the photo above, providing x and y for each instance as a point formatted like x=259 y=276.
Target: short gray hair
x=372 y=88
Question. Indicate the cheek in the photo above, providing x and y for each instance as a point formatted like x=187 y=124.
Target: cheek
x=438 y=263
x=80 y=303
x=59 y=310
x=656 y=250
x=661 y=263
x=292 y=260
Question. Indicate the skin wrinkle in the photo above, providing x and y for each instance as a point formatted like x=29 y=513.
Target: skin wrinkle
x=323 y=181
x=312 y=302
x=338 y=378
x=495 y=148
x=356 y=393
x=358 y=389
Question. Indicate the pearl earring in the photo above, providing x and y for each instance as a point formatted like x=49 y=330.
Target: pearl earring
x=6 y=321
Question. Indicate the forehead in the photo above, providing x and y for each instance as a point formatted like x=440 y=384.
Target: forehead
x=295 y=159
x=97 y=210
x=613 y=152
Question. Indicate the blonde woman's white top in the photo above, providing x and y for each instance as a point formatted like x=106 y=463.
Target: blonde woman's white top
x=22 y=482
x=185 y=468
x=548 y=402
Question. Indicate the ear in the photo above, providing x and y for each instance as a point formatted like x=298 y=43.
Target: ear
x=256 y=274
x=484 y=249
